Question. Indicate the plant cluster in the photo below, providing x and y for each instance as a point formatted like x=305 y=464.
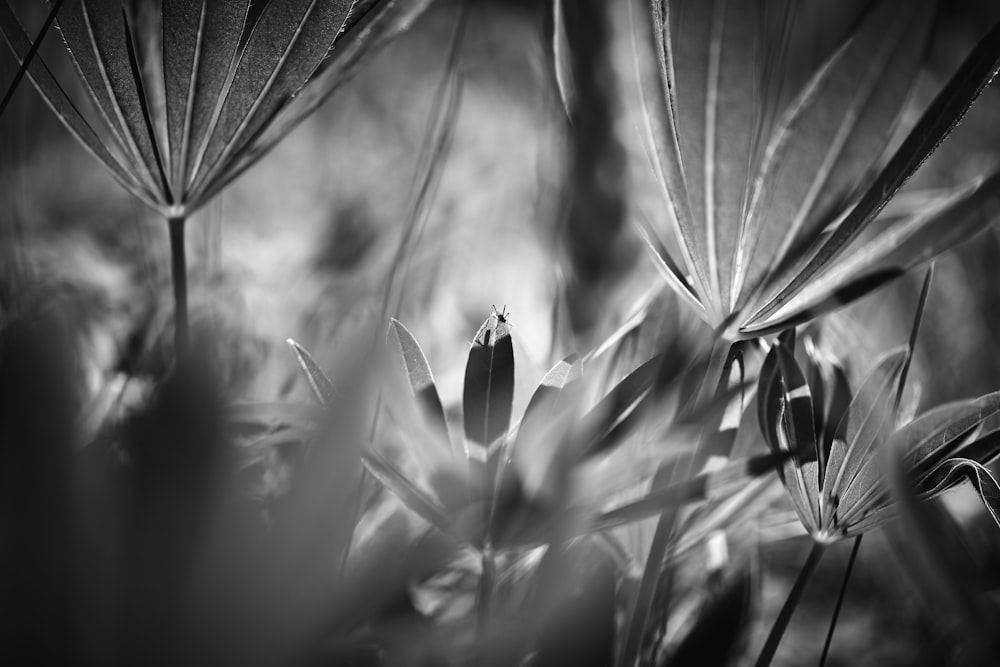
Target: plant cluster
x=614 y=520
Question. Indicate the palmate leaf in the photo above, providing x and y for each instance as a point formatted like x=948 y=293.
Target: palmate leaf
x=937 y=122
x=190 y=94
x=27 y=59
x=369 y=29
x=905 y=244
x=760 y=200
x=830 y=136
x=55 y=96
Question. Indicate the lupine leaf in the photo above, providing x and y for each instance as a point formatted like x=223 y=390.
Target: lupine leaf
x=383 y=470
x=937 y=122
x=318 y=380
x=835 y=129
x=797 y=433
x=488 y=392
x=867 y=419
x=936 y=434
x=418 y=372
x=956 y=470
x=714 y=45
x=903 y=245
x=713 y=484
x=66 y=111
x=658 y=97
x=378 y=26
x=99 y=27
x=218 y=40
x=29 y=57
x=288 y=43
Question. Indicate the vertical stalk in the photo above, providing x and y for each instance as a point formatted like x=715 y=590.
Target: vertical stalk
x=178 y=274
x=840 y=600
x=486 y=583
x=791 y=602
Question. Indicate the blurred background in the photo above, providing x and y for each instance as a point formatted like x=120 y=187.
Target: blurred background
x=305 y=244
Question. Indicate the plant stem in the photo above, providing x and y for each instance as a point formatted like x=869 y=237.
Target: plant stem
x=647 y=589
x=178 y=274
x=792 y=601
x=840 y=600
x=486 y=582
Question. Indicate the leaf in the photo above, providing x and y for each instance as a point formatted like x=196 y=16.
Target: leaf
x=705 y=486
x=832 y=133
x=29 y=56
x=904 y=244
x=658 y=99
x=562 y=61
x=380 y=467
x=318 y=380
x=721 y=625
x=715 y=51
x=536 y=451
x=956 y=470
x=66 y=111
x=488 y=394
x=984 y=449
x=797 y=436
x=421 y=380
x=868 y=417
x=944 y=113
x=97 y=36
x=935 y=435
x=200 y=40
x=395 y=480
x=287 y=44
x=382 y=23
x=608 y=422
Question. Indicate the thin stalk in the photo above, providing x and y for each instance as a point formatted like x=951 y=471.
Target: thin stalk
x=178 y=274
x=647 y=589
x=840 y=600
x=791 y=602
x=487 y=581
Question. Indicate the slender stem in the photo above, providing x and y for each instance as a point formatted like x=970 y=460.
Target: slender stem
x=791 y=602
x=840 y=600
x=178 y=273
x=647 y=589
x=486 y=583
